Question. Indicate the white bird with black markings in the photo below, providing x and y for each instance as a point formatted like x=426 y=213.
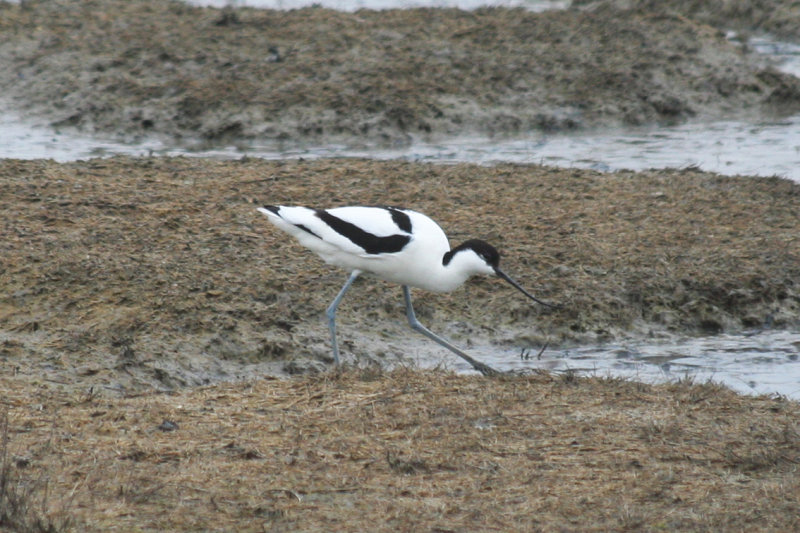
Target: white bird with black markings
x=393 y=244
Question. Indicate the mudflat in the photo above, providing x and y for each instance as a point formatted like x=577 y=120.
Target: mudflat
x=159 y=271
x=202 y=75
x=150 y=317
x=145 y=304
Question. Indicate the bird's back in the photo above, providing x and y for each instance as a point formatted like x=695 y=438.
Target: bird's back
x=394 y=244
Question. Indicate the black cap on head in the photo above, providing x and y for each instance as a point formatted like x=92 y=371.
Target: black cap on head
x=490 y=254
x=484 y=250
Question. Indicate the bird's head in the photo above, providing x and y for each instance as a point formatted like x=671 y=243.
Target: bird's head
x=474 y=256
x=479 y=257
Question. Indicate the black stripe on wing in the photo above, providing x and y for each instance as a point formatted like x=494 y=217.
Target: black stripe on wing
x=302 y=227
x=400 y=218
x=372 y=244
x=276 y=209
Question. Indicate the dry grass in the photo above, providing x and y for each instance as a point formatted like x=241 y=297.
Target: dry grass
x=25 y=504
x=367 y=451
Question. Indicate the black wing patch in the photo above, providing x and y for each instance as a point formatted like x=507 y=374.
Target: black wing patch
x=372 y=244
x=276 y=208
x=400 y=218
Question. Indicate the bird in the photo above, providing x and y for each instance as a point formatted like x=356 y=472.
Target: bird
x=394 y=244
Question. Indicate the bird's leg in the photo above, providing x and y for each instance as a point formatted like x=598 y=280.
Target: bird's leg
x=331 y=312
x=412 y=320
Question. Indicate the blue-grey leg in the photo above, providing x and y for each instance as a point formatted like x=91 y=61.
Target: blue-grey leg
x=412 y=320
x=331 y=312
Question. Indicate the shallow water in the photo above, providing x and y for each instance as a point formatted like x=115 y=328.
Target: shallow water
x=766 y=362
x=727 y=147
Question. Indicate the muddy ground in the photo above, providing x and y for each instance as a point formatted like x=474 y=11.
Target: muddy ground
x=130 y=287
x=778 y=18
x=202 y=75
x=125 y=274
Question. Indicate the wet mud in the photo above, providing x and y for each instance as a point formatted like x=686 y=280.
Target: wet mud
x=128 y=273
x=203 y=76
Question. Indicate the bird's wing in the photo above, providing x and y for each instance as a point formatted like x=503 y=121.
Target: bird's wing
x=365 y=231
x=379 y=221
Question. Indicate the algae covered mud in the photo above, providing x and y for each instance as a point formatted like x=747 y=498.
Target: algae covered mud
x=731 y=139
x=202 y=75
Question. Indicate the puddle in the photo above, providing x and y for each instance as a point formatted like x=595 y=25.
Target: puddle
x=23 y=138
x=785 y=55
x=763 y=363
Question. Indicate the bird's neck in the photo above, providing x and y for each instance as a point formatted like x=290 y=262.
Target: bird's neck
x=451 y=276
